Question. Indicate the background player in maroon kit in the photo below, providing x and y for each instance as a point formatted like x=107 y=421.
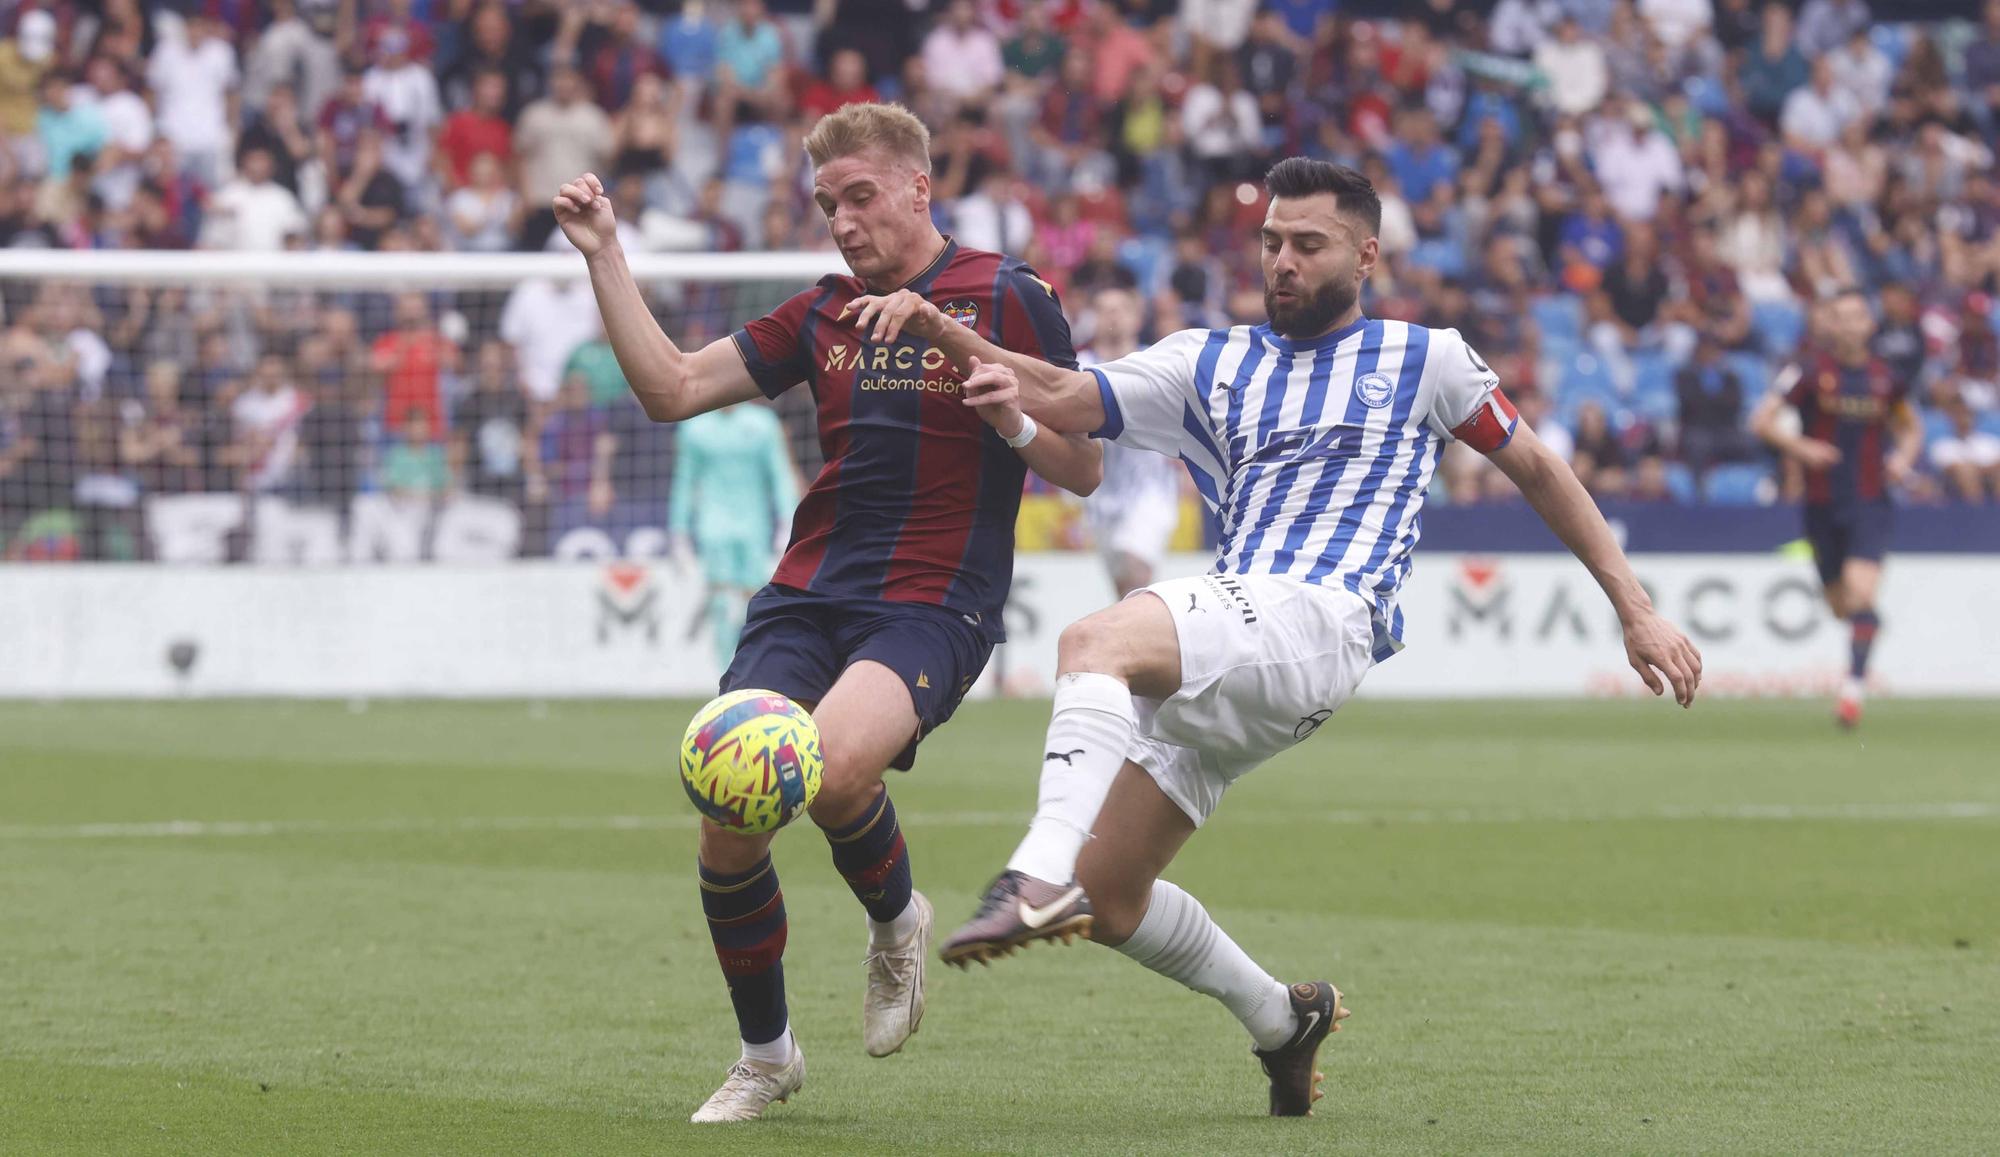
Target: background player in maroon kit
x=1846 y=420
x=889 y=598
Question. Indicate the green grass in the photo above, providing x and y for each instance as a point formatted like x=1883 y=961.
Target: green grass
x=1576 y=927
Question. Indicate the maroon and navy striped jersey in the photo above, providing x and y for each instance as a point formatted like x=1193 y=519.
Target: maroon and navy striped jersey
x=918 y=497
x=1851 y=407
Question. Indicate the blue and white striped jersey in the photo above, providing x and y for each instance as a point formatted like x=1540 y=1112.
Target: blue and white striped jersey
x=1315 y=455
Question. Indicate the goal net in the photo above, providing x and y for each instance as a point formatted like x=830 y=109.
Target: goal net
x=339 y=408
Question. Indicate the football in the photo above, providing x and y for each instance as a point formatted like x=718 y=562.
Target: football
x=751 y=761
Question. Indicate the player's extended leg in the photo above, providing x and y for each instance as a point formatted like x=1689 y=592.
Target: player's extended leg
x=1162 y=927
x=746 y=920
x=1131 y=648
x=864 y=721
x=1859 y=578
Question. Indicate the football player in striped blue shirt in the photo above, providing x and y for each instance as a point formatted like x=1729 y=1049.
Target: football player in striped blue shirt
x=1314 y=437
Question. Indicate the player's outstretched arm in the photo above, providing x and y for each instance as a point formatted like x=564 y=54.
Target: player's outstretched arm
x=1071 y=461
x=671 y=385
x=1653 y=646
x=1063 y=400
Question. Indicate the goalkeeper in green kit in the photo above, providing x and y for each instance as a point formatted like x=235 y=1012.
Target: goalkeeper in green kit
x=733 y=493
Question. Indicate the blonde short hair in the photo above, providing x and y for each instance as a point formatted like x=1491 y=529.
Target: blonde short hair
x=856 y=128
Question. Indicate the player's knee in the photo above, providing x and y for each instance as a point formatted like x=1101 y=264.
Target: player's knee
x=1089 y=644
x=845 y=791
x=722 y=850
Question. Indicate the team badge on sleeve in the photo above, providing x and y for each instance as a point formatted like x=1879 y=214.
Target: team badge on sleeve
x=962 y=311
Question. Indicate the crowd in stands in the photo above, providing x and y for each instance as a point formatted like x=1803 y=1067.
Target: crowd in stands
x=1631 y=207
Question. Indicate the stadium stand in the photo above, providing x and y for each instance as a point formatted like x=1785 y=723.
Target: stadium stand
x=1747 y=159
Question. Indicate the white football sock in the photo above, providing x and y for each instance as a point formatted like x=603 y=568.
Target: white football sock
x=895 y=931
x=1090 y=732
x=772 y=1053
x=1178 y=940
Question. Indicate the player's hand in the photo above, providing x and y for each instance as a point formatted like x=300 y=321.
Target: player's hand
x=1815 y=454
x=1663 y=656
x=889 y=315
x=584 y=213
x=993 y=389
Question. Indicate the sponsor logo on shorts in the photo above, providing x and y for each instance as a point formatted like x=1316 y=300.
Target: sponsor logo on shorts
x=1065 y=756
x=1232 y=594
x=1310 y=724
x=1194 y=603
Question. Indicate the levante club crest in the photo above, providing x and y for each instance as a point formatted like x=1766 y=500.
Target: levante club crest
x=961 y=311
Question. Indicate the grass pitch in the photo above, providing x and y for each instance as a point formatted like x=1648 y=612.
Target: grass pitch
x=1573 y=927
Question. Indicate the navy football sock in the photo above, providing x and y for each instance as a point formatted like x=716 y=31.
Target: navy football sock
x=746 y=919
x=871 y=856
x=1866 y=624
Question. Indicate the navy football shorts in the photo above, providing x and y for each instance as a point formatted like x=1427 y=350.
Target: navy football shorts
x=1839 y=532
x=797 y=643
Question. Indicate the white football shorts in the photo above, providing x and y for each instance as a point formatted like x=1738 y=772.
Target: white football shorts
x=1142 y=526
x=1264 y=662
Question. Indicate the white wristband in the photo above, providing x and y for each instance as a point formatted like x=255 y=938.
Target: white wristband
x=1027 y=434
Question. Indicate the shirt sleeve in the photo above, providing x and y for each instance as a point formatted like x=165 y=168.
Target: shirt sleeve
x=1151 y=399
x=1469 y=406
x=774 y=346
x=1032 y=320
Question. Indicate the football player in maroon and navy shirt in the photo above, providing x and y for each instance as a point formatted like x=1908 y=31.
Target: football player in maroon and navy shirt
x=1845 y=417
x=888 y=600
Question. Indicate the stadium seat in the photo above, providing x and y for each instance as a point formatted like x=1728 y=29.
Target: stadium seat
x=1754 y=374
x=1741 y=484
x=1936 y=425
x=1680 y=483
x=1989 y=422
x=1559 y=317
x=1778 y=325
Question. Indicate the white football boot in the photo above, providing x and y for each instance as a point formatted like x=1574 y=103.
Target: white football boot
x=751 y=1088
x=894 y=1003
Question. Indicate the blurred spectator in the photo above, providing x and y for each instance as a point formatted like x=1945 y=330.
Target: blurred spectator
x=161 y=442
x=749 y=72
x=1774 y=66
x=545 y=321
x=414 y=467
x=1635 y=162
x=253 y=213
x=1223 y=127
x=608 y=50
x=478 y=129
x=410 y=360
x=294 y=53
x=281 y=133
x=341 y=121
x=1967 y=458
x=1816 y=112
x=371 y=198
x=265 y=424
x=490 y=443
x=66 y=130
x=1826 y=24
x=494 y=45
x=1710 y=410
x=128 y=129
x=962 y=56
x=485 y=215
x=192 y=76
x=1119 y=52
x=406 y=92
x=24 y=58
x=646 y=136
x=558 y=137
x=846 y=83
